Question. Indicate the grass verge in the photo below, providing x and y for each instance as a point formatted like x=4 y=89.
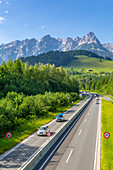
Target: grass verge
x=29 y=127
x=107 y=126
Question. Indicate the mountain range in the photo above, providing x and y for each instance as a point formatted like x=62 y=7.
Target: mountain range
x=29 y=47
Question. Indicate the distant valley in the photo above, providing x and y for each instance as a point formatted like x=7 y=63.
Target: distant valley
x=30 y=47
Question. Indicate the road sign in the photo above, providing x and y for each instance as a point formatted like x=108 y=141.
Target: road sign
x=107 y=135
x=48 y=134
x=8 y=135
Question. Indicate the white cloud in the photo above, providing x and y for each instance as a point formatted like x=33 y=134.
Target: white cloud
x=25 y=25
x=6 y=12
x=7 y=3
x=0 y=2
x=1 y=20
x=42 y=27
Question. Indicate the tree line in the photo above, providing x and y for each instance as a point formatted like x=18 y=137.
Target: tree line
x=31 y=80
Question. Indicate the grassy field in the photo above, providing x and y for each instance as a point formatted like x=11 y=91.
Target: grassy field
x=28 y=128
x=107 y=126
x=90 y=63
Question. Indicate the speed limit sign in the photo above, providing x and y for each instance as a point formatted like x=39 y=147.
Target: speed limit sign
x=107 y=135
x=8 y=135
x=48 y=134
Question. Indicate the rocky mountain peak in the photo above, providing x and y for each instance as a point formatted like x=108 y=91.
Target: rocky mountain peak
x=68 y=39
x=46 y=37
x=69 y=44
x=77 y=39
x=108 y=46
x=89 y=38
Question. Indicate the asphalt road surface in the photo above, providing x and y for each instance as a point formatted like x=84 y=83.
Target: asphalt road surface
x=18 y=155
x=77 y=151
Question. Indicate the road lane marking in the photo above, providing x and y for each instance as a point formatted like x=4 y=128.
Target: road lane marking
x=80 y=131
x=69 y=156
x=95 y=158
x=85 y=120
x=59 y=142
x=97 y=146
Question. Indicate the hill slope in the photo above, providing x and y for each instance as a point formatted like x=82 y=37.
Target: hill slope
x=58 y=58
x=90 y=63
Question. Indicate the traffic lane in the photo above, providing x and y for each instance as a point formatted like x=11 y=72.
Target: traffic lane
x=56 y=158
x=16 y=158
x=67 y=145
x=80 y=153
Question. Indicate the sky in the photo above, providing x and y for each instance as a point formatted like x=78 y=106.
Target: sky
x=21 y=19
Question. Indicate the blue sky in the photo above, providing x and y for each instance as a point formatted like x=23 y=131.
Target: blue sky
x=21 y=19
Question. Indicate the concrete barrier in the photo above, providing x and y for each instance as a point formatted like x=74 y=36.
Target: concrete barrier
x=38 y=155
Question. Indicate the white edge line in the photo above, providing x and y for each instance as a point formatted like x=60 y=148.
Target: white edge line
x=97 y=138
x=69 y=156
x=19 y=144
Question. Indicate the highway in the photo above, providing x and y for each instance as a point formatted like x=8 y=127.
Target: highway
x=106 y=98
x=19 y=155
x=77 y=151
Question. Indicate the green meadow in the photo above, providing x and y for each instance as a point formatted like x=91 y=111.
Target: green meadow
x=90 y=63
x=107 y=126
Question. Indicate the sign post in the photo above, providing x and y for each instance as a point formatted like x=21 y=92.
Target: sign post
x=107 y=135
x=8 y=135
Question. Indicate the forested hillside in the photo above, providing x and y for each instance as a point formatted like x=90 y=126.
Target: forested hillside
x=58 y=58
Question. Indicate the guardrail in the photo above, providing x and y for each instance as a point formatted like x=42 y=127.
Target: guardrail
x=38 y=155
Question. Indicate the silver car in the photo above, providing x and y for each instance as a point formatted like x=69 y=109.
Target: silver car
x=43 y=130
x=96 y=102
x=97 y=98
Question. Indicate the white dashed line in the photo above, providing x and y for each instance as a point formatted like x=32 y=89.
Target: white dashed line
x=85 y=120
x=69 y=156
x=80 y=131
